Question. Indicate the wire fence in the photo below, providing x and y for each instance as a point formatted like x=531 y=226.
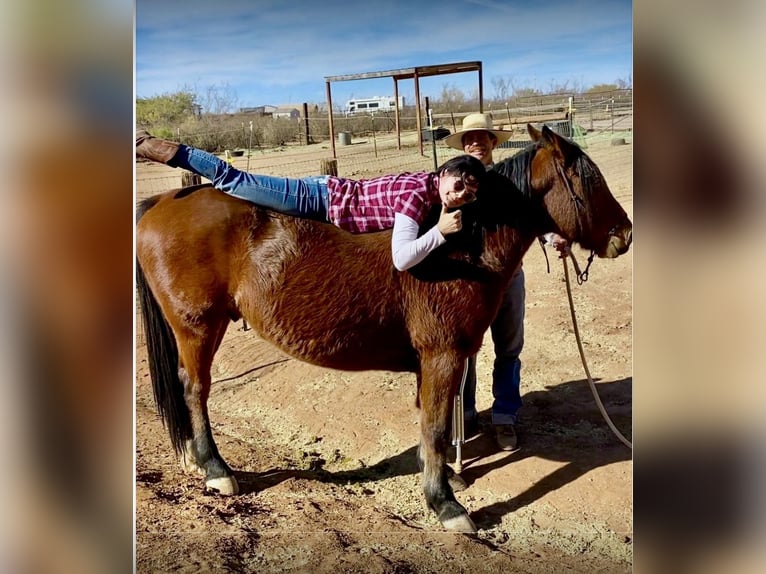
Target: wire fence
x=612 y=110
x=368 y=145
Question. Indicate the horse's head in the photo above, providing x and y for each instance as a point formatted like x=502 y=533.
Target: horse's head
x=576 y=195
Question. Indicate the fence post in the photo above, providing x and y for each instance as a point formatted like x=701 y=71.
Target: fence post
x=328 y=167
x=374 y=139
x=188 y=178
x=306 y=122
x=249 y=145
x=433 y=136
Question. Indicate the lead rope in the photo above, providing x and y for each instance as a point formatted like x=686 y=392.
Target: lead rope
x=592 y=385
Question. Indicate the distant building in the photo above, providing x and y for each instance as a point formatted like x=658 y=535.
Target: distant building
x=259 y=110
x=289 y=112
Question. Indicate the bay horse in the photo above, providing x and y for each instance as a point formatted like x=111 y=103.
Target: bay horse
x=334 y=299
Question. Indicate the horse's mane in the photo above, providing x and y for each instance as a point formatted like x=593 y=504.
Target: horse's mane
x=518 y=168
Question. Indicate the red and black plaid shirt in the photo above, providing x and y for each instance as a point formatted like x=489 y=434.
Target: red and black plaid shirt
x=365 y=205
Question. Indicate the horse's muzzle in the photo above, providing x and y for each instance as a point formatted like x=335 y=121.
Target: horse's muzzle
x=619 y=241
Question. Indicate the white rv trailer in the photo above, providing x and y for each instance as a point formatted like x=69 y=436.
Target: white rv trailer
x=373 y=105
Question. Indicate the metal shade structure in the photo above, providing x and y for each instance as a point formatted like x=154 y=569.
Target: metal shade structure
x=404 y=74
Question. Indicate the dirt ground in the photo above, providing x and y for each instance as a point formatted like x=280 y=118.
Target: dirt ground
x=326 y=459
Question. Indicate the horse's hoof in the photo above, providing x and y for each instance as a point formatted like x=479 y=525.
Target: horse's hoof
x=225 y=485
x=460 y=523
x=455 y=518
x=457 y=482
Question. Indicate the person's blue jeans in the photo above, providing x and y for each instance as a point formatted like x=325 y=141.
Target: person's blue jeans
x=305 y=197
x=508 y=338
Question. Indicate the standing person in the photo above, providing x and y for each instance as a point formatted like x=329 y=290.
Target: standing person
x=479 y=138
x=401 y=201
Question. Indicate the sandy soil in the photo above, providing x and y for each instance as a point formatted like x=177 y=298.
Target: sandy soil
x=326 y=458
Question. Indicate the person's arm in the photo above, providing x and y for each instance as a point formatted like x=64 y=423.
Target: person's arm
x=406 y=247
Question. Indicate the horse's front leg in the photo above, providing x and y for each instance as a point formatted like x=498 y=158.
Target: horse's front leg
x=440 y=377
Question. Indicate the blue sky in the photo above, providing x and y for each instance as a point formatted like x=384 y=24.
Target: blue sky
x=276 y=51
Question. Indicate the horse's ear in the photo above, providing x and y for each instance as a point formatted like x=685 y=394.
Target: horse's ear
x=561 y=147
x=534 y=133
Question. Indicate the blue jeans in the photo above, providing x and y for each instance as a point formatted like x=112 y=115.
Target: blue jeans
x=508 y=337
x=305 y=197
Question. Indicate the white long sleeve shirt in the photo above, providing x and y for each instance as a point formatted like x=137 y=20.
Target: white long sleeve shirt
x=407 y=248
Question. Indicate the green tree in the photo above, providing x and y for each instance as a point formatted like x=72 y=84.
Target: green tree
x=166 y=109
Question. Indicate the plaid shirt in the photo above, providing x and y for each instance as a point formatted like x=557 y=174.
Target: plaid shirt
x=365 y=205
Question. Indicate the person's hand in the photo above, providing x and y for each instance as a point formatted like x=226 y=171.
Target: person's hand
x=449 y=222
x=559 y=243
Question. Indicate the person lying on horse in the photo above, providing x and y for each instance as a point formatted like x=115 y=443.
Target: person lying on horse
x=400 y=201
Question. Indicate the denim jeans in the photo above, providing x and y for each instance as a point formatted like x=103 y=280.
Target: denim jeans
x=508 y=337
x=306 y=197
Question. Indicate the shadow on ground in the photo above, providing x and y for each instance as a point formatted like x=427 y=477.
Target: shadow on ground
x=561 y=423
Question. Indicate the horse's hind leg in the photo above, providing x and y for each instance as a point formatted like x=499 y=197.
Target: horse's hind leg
x=196 y=351
x=440 y=378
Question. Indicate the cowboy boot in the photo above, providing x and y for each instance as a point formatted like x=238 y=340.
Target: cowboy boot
x=150 y=147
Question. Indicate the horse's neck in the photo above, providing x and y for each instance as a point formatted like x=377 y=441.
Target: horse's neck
x=508 y=238
x=505 y=247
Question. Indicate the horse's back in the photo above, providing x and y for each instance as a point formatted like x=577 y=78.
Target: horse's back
x=189 y=211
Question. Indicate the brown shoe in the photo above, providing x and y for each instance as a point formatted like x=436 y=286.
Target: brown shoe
x=155 y=149
x=506 y=438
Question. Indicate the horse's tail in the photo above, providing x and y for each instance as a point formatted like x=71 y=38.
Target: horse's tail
x=163 y=357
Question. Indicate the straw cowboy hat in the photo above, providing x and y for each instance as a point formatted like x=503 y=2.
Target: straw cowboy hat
x=474 y=122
